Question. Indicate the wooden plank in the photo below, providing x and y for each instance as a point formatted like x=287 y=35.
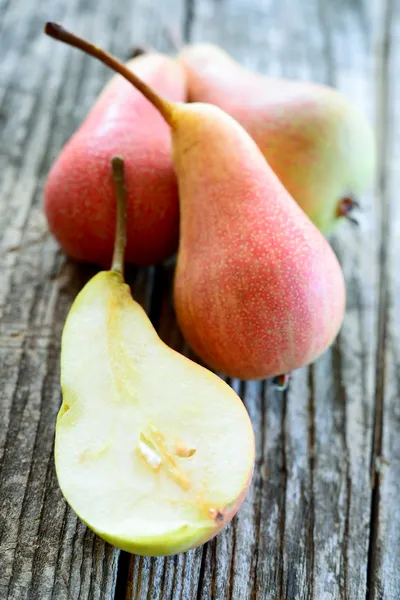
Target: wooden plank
x=304 y=529
x=343 y=446
x=46 y=88
x=385 y=534
x=313 y=534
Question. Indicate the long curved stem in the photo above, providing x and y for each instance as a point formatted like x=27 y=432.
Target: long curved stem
x=117 y=166
x=58 y=32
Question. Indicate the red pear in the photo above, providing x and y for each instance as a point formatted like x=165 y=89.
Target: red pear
x=258 y=290
x=79 y=201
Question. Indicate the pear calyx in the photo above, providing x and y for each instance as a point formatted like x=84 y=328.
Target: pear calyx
x=346 y=207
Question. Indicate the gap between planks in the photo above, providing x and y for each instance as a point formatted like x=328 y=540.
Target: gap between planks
x=383 y=54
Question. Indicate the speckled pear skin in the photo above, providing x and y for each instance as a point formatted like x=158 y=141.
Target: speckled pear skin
x=79 y=193
x=258 y=290
x=319 y=145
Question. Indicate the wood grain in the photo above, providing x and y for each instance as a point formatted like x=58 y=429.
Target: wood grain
x=322 y=518
x=45 y=91
x=384 y=580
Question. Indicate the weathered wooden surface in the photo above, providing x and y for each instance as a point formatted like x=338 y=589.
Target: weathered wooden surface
x=322 y=519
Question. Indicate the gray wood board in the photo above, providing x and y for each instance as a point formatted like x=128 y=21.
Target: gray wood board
x=385 y=515
x=318 y=522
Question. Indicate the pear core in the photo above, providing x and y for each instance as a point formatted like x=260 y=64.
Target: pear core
x=153 y=452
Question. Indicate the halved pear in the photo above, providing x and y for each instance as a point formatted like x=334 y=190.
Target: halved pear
x=153 y=452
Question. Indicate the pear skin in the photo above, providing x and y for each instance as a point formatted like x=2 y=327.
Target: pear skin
x=153 y=452
x=79 y=203
x=319 y=145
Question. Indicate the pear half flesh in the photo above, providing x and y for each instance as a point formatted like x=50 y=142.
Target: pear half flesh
x=153 y=452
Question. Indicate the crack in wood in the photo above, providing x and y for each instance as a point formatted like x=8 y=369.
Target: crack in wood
x=323 y=9
x=344 y=572
x=311 y=459
x=232 y=568
x=163 y=578
x=258 y=489
x=284 y=476
x=374 y=590
x=190 y=6
x=151 y=571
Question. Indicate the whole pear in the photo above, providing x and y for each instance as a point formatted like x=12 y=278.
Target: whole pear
x=258 y=290
x=79 y=191
x=320 y=146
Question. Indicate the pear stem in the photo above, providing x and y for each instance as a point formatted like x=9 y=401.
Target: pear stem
x=117 y=166
x=58 y=32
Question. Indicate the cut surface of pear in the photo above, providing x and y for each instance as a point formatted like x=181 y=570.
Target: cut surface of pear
x=153 y=452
